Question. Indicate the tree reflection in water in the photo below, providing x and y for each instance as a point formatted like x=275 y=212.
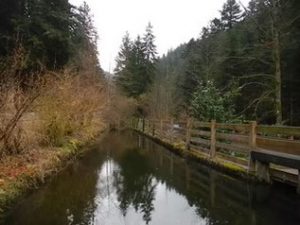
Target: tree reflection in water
x=132 y=180
x=135 y=185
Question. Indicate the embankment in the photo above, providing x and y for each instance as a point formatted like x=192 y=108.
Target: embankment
x=21 y=174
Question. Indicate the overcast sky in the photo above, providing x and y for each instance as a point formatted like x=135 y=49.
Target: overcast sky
x=174 y=21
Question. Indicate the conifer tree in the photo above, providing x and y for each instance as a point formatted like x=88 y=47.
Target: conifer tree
x=136 y=62
x=231 y=14
x=150 y=54
x=123 y=55
x=84 y=42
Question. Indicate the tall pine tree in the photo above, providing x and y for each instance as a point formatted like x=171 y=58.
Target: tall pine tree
x=136 y=64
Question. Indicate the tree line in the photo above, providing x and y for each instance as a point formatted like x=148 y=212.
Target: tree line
x=52 y=34
x=243 y=66
x=51 y=84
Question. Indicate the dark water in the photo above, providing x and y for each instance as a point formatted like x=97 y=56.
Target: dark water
x=129 y=179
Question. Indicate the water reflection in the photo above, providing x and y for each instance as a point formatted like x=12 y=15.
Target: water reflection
x=131 y=180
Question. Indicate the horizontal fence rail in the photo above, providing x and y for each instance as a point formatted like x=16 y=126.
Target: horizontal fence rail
x=260 y=149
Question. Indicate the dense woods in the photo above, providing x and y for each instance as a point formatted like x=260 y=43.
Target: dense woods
x=243 y=66
x=55 y=98
x=52 y=89
x=53 y=34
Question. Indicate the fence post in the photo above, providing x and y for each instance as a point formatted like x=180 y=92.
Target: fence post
x=140 y=124
x=161 y=128
x=153 y=128
x=213 y=139
x=188 y=134
x=146 y=126
x=172 y=130
x=252 y=145
x=143 y=127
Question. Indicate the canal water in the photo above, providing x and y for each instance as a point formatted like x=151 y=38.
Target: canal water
x=129 y=179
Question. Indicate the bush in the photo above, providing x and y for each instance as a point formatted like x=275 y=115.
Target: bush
x=209 y=103
x=50 y=111
x=70 y=105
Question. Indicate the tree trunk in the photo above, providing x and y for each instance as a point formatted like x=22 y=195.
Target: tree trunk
x=278 y=78
x=277 y=60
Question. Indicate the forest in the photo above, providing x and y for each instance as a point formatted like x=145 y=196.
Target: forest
x=243 y=66
x=56 y=98
x=52 y=90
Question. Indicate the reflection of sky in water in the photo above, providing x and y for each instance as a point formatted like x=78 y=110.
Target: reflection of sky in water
x=122 y=184
x=169 y=206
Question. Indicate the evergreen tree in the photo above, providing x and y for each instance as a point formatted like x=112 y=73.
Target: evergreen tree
x=231 y=14
x=123 y=55
x=137 y=67
x=150 y=55
x=10 y=10
x=150 y=47
x=51 y=32
x=258 y=50
x=84 y=41
x=136 y=62
x=46 y=33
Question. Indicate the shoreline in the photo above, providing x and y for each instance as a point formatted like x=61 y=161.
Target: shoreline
x=226 y=167
x=32 y=175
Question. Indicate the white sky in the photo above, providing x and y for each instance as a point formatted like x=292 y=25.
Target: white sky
x=174 y=21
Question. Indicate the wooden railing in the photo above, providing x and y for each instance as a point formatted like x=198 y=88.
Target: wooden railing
x=232 y=142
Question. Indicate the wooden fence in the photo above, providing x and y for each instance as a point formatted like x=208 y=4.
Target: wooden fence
x=236 y=143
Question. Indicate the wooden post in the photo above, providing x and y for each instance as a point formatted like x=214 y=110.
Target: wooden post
x=143 y=127
x=188 y=134
x=153 y=128
x=172 y=130
x=161 y=128
x=140 y=124
x=119 y=124
x=146 y=126
x=213 y=139
x=252 y=145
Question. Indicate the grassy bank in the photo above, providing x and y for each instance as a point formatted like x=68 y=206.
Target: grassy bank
x=23 y=173
x=45 y=123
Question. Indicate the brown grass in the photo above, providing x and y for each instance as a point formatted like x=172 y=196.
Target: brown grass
x=44 y=124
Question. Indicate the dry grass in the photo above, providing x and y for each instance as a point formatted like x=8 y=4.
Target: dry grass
x=60 y=107
x=44 y=119
x=45 y=125
x=120 y=108
x=69 y=106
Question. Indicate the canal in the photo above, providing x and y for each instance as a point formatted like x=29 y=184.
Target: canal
x=129 y=179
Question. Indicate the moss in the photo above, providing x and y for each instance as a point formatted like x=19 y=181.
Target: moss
x=219 y=164
x=234 y=167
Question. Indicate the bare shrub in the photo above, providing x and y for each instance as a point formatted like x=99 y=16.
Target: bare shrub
x=70 y=105
x=16 y=100
x=119 y=107
x=47 y=107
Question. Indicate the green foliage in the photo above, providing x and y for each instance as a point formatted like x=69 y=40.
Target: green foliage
x=51 y=31
x=231 y=14
x=209 y=103
x=136 y=64
x=252 y=47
